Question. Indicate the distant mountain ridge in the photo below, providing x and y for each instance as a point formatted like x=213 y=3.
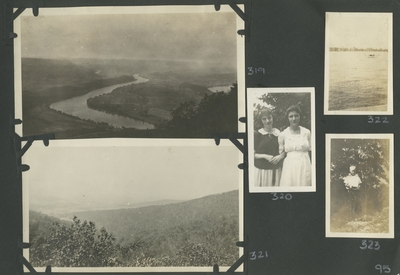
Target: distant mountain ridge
x=62 y=208
x=142 y=66
x=208 y=211
x=39 y=74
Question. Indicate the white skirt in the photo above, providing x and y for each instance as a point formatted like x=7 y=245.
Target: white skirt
x=264 y=177
x=296 y=169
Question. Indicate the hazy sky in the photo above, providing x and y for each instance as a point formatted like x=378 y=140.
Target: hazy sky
x=167 y=36
x=92 y=171
x=361 y=30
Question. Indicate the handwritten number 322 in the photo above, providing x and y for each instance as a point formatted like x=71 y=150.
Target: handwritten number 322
x=377 y=119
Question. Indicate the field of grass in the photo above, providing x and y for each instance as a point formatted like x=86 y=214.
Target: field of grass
x=377 y=222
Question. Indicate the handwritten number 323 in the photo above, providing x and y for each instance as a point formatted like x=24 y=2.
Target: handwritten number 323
x=368 y=244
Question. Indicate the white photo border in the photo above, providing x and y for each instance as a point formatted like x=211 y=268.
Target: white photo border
x=389 y=110
x=328 y=232
x=240 y=44
x=132 y=143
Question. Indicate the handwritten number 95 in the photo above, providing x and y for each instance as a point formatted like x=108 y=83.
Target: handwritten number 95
x=383 y=268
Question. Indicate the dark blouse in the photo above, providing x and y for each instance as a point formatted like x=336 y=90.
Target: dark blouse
x=266 y=144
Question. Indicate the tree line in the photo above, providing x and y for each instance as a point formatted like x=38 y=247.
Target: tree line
x=82 y=244
x=216 y=113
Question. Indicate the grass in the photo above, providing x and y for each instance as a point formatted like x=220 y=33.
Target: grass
x=377 y=222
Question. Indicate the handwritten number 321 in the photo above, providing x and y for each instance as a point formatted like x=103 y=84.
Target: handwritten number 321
x=254 y=255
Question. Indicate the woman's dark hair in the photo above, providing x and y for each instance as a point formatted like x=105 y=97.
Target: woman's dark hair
x=294 y=108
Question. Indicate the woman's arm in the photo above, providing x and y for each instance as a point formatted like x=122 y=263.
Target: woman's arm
x=309 y=143
x=281 y=142
x=263 y=156
x=278 y=158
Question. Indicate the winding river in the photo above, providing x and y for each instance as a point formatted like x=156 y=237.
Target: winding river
x=77 y=107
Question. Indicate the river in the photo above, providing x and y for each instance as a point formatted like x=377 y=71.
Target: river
x=217 y=89
x=77 y=107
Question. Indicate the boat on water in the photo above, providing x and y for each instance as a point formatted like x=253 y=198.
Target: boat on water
x=372 y=55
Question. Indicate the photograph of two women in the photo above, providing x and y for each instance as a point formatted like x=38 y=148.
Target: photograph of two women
x=281 y=140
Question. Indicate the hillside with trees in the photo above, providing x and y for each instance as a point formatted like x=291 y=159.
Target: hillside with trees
x=200 y=232
x=149 y=102
x=216 y=113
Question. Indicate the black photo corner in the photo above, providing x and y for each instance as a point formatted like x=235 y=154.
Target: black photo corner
x=344 y=53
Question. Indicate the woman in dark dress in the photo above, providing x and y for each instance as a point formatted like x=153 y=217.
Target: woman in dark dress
x=267 y=160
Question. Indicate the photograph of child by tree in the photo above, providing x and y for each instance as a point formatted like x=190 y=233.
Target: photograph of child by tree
x=360 y=185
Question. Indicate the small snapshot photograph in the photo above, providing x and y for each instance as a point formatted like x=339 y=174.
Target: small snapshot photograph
x=359 y=186
x=143 y=72
x=281 y=139
x=358 y=63
x=138 y=205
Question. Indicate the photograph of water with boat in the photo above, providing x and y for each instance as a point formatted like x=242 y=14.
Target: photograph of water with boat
x=128 y=72
x=358 y=63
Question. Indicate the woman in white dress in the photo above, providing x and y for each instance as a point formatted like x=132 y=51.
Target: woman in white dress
x=295 y=141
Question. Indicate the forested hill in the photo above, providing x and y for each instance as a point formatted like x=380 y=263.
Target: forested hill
x=40 y=74
x=129 y=225
x=199 y=232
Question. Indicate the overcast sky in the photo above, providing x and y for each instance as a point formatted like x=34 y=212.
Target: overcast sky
x=361 y=30
x=82 y=171
x=167 y=36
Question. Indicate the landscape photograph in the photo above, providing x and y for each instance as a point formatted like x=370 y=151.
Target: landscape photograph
x=129 y=72
x=359 y=186
x=358 y=63
x=134 y=205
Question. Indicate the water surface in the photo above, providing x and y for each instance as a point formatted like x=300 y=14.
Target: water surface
x=358 y=79
x=77 y=106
